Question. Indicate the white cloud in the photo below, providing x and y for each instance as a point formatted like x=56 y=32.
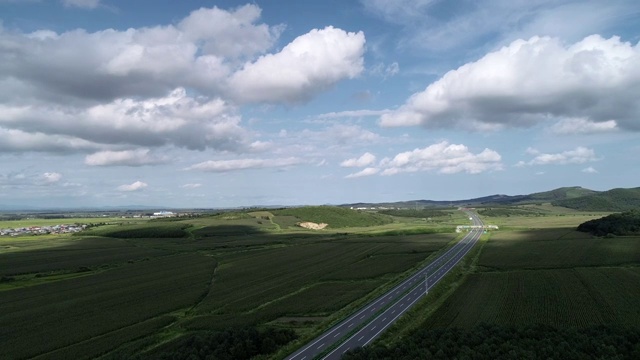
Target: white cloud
x=20 y=141
x=590 y=170
x=583 y=126
x=191 y=186
x=148 y=87
x=309 y=64
x=353 y=114
x=51 y=177
x=444 y=158
x=176 y=119
x=527 y=82
x=364 y=160
x=199 y=52
x=578 y=155
x=441 y=157
x=241 y=164
x=136 y=186
x=138 y=157
x=365 y=172
x=385 y=71
x=85 y=4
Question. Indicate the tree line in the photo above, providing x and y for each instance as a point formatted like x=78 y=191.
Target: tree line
x=492 y=342
x=620 y=224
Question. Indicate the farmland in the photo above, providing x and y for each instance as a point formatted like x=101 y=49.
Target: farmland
x=136 y=287
x=148 y=287
x=538 y=279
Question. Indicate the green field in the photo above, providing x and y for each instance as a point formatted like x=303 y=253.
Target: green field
x=536 y=289
x=129 y=287
x=138 y=288
x=552 y=275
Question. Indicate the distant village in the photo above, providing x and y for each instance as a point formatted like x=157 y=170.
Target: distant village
x=42 y=230
x=74 y=228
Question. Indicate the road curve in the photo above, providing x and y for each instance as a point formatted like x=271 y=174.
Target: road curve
x=393 y=304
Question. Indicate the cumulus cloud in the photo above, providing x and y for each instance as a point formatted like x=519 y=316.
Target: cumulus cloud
x=85 y=4
x=199 y=52
x=590 y=170
x=136 y=186
x=365 y=172
x=191 y=186
x=175 y=119
x=51 y=177
x=310 y=63
x=526 y=82
x=242 y=164
x=138 y=157
x=579 y=155
x=441 y=157
x=12 y=140
x=583 y=126
x=444 y=158
x=352 y=114
x=174 y=85
x=364 y=160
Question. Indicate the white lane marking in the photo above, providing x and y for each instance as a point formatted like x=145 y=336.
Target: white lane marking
x=373 y=328
x=321 y=345
x=361 y=337
x=350 y=325
x=336 y=335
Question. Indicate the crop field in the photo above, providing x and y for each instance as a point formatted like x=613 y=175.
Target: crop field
x=555 y=219
x=564 y=298
x=39 y=319
x=547 y=273
x=557 y=248
x=90 y=253
x=130 y=284
x=245 y=281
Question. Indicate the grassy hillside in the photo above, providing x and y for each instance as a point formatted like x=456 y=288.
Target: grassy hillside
x=336 y=217
x=612 y=200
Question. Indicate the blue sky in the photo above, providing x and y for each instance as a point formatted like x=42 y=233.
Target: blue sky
x=230 y=103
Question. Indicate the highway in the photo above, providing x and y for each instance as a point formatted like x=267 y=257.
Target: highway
x=393 y=304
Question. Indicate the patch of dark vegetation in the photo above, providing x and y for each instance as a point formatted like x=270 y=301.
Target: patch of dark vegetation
x=414 y=231
x=227 y=230
x=416 y=213
x=508 y=211
x=148 y=231
x=621 y=224
x=500 y=342
x=232 y=344
x=336 y=217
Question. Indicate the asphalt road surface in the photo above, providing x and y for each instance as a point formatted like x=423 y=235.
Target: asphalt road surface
x=393 y=304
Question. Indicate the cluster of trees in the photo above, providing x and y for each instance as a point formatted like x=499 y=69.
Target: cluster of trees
x=626 y=223
x=506 y=212
x=233 y=344
x=498 y=342
x=416 y=213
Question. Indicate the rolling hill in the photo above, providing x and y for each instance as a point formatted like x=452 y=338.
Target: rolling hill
x=574 y=197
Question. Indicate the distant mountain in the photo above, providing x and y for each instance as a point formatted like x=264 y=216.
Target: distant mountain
x=562 y=194
x=574 y=197
x=612 y=200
